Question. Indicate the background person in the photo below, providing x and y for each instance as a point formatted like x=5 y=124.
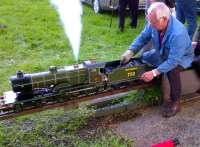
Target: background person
x=171 y=52
x=133 y=8
x=196 y=47
x=196 y=42
x=186 y=11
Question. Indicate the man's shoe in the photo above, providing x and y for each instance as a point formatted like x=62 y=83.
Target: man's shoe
x=133 y=26
x=171 y=109
x=165 y=107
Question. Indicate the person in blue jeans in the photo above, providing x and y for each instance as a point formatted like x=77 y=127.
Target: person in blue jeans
x=171 y=51
x=186 y=11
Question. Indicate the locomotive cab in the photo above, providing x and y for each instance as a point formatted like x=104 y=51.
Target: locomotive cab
x=118 y=72
x=114 y=71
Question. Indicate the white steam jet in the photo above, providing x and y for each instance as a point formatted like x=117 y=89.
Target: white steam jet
x=70 y=12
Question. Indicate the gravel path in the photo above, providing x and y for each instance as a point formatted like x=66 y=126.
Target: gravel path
x=150 y=127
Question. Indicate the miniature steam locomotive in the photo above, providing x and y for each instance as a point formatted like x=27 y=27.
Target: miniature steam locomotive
x=70 y=82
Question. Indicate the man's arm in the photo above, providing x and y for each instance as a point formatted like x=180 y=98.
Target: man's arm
x=139 y=42
x=142 y=39
x=179 y=46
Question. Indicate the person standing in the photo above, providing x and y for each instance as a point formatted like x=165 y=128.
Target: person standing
x=171 y=52
x=196 y=47
x=196 y=42
x=133 y=8
x=186 y=11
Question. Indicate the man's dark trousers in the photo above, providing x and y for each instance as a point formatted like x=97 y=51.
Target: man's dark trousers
x=133 y=7
x=175 y=83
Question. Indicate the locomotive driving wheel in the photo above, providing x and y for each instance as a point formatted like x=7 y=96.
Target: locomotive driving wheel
x=60 y=89
x=61 y=97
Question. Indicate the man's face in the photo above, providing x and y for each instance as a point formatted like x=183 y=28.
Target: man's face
x=158 y=24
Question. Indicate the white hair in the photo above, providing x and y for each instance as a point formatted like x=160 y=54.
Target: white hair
x=160 y=10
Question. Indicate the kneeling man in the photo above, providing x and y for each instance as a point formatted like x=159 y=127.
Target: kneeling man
x=172 y=51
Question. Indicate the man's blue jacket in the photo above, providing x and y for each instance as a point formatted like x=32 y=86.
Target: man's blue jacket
x=176 y=48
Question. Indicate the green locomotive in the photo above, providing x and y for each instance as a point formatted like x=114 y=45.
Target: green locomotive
x=58 y=85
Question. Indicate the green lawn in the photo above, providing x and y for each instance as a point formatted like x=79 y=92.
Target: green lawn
x=32 y=39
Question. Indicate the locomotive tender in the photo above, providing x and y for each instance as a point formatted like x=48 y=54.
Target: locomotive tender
x=59 y=85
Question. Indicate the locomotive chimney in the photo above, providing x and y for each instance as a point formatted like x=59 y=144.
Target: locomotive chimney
x=19 y=74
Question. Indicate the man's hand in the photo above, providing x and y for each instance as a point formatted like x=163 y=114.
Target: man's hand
x=126 y=56
x=149 y=75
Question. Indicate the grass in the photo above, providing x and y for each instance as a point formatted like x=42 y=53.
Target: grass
x=31 y=40
x=105 y=42
x=56 y=128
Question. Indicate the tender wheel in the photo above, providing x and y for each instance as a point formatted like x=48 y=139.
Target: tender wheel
x=60 y=87
x=61 y=97
x=18 y=108
x=96 y=6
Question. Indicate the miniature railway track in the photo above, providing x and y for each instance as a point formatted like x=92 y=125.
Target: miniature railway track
x=73 y=103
